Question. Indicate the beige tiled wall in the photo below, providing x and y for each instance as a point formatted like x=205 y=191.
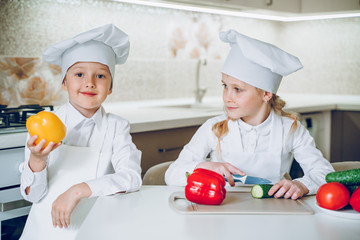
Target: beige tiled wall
x=329 y=49
x=330 y=53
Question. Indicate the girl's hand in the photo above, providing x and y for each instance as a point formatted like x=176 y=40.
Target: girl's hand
x=288 y=189
x=65 y=204
x=38 y=156
x=224 y=169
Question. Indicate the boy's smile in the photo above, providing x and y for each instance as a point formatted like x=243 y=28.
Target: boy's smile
x=90 y=94
x=88 y=84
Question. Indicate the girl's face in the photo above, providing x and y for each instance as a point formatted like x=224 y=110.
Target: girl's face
x=88 y=84
x=245 y=101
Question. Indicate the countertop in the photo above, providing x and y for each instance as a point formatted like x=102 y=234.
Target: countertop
x=146 y=214
x=154 y=115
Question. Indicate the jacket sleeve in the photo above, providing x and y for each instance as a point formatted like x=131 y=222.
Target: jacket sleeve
x=311 y=160
x=37 y=181
x=125 y=161
x=192 y=154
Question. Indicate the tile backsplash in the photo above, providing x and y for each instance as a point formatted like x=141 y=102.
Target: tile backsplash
x=29 y=81
x=165 y=47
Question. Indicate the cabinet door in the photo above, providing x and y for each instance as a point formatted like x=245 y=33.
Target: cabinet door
x=161 y=146
x=319 y=127
x=345 y=136
x=311 y=6
x=274 y=5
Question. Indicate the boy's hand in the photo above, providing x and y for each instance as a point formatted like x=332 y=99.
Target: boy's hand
x=288 y=189
x=65 y=204
x=38 y=156
x=224 y=169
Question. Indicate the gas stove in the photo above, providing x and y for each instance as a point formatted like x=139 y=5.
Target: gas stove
x=13 y=119
x=12 y=144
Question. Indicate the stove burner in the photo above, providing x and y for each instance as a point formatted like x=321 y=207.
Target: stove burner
x=14 y=118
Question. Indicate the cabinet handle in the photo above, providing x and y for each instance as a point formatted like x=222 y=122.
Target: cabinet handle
x=169 y=149
x=269 y=2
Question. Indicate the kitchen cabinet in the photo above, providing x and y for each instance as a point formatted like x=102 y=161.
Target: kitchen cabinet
x=162 y=145
x=319 y=126
x=345 y=136
x=336 y=134
x=292 y=6
x=309 y=6
x=275 y=5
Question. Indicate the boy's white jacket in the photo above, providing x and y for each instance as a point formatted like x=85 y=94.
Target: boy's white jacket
x=271 y=164
x=118 y=165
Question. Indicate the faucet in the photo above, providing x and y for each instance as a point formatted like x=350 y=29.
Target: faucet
x=199 y=92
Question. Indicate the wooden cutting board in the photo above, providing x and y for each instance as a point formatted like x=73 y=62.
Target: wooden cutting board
x=240 y=203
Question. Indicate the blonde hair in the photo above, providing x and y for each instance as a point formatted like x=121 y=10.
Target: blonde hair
x=221 y=129
x=277 y=104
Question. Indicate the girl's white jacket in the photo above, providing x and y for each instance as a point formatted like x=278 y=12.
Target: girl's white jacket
x=272 y=162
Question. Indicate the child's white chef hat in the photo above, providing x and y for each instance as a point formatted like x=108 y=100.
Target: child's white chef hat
x=257 y=63
x=107 y=45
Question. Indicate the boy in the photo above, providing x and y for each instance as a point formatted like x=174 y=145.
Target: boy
x=97 y=156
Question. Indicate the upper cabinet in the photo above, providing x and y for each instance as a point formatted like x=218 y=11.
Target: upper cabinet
x=275 y=5
x=291 y=6
x=310 y=6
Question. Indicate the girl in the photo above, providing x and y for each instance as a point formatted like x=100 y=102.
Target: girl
x=255 y=136
x=97 y=156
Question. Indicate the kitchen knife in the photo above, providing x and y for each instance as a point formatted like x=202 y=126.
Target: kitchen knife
x=249 y=179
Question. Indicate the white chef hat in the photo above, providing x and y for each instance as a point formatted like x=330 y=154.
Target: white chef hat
x=257 y=63
x=107 y=45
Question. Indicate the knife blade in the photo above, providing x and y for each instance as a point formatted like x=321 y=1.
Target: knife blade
x=249 y=179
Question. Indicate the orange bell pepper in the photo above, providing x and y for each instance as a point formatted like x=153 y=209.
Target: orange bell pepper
x=46 y=125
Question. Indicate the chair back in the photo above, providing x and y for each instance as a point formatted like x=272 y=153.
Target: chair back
x=156 y=174
x=342 y=166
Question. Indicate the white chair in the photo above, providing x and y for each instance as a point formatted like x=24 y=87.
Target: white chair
x=342 y=166
x=156 y=174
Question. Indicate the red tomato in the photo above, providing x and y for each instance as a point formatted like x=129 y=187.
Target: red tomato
x=333 y=196
x=355 y=200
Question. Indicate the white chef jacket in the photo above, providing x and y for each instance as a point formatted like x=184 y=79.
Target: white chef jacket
x=119 y=163
x=254 y=139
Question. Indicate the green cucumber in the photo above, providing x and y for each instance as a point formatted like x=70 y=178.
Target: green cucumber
x=352 y=188
x=348 y=177
x=261 y=190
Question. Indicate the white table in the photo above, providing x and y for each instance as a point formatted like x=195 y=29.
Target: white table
x=146 y=214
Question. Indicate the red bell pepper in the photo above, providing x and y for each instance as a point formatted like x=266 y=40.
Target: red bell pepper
x=205 y=187
x=355 y=200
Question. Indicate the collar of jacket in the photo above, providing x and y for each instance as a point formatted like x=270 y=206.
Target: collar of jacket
x=261 y=129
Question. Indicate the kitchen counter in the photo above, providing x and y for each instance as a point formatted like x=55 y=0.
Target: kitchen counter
x=152 y=115
x=305 y=103
x=175 y=113
x=146 y=214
